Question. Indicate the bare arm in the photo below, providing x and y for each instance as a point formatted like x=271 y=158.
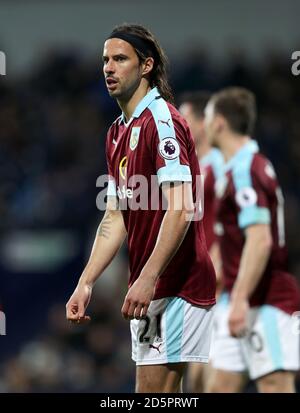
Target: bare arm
x=254 y=259
x=215 y=255
x=173 y=229
x=109 y=238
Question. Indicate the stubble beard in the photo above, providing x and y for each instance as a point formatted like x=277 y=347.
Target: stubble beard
x=125 y=93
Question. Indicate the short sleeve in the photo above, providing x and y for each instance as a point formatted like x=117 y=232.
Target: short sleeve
x=169 y=143
x=250 y=196
x=111 y=188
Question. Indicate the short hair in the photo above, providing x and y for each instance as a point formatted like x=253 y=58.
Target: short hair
x=238 y=107
x=198 y=100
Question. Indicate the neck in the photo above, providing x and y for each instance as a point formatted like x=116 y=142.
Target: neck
x=128 y=106
x=202 y=149
x=231 y=144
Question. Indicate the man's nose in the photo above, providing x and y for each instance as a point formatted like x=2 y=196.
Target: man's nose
x=109 y=67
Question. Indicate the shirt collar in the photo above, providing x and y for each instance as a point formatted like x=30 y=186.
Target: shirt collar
x=143 y=104
x=249 y=148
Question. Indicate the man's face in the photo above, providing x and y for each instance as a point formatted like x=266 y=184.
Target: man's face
x=121 y=68
x=210 y=124
x=194 y=122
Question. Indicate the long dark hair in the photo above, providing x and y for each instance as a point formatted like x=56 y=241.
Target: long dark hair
x=158 y=75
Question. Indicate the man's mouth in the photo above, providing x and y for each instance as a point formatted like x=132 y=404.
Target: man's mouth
x=110 y=82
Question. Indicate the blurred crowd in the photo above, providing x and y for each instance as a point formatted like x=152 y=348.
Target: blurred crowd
x=53 y=127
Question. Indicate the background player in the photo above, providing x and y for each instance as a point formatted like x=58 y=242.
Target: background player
x=211 y=160
x=172 y=281
x=192 y=105
x=260 y=340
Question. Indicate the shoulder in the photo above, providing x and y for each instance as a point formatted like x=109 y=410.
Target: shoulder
x=112 y=132
x=254 y=170
x=262 y=171
x=164 y=118
x=115 y=125
x=251 y=163
x=262 y=166
x=243 y=164
x=241 y=171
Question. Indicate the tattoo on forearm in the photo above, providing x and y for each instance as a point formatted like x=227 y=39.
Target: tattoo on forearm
x=104 y=228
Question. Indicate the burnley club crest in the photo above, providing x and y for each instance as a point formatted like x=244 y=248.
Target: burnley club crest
x=134 y=137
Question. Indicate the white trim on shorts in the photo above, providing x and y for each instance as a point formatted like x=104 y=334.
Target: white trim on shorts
x=272 y=343
x=175 y=332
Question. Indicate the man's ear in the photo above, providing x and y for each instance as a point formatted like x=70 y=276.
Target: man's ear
x=220 y=123
x=147 y=65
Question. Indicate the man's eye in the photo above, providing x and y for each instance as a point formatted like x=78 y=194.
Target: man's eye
x=120 y=59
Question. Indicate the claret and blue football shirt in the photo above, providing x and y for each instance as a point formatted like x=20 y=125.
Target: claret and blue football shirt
x=152 y=148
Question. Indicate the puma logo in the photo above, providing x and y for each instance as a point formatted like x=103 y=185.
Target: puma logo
x=165 y=122
x=155 y=347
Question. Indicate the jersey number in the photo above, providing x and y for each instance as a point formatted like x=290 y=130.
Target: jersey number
x=145 y=339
